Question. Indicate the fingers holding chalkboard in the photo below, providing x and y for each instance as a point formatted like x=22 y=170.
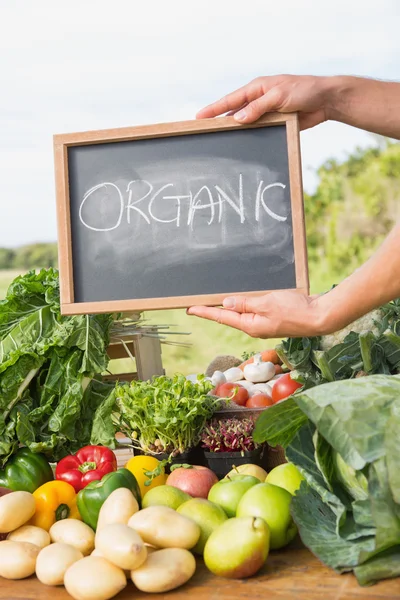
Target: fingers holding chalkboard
x=276 y=314
x=304 y=94
x=234 y=101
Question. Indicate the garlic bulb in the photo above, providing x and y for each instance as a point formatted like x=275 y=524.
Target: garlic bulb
x=233 y=374
x=258 y=371
x=217 y=378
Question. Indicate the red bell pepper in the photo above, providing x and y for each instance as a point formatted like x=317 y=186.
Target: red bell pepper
x=90 y=463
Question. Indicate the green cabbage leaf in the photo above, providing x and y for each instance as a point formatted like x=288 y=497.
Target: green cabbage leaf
x=344 y=437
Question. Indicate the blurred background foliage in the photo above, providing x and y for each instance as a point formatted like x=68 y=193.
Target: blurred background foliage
x=355 y=204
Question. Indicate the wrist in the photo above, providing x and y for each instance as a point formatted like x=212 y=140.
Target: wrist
x=326 y=317
x=337 y=92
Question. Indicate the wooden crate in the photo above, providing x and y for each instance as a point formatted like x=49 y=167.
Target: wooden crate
x=123 y=454
x=146 y=351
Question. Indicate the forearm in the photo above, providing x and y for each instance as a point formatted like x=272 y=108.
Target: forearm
x=372 y=285
x=364 y=103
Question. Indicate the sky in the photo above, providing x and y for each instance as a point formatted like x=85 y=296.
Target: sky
x=77 y=65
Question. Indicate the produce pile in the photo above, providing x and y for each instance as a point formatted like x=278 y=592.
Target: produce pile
x=50 y=400
x=256 y=383
x=94 y=527
x=333 y=404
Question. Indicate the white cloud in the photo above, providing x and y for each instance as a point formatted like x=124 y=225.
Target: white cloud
x=71 y=65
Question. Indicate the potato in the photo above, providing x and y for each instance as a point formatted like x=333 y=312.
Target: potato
x=162 y=527
x=164 y=570
x=75 y=533
x=53 y=561
x=151 y=549
x=17 y=559
x=121 y=545
x=29 y=533
x=94 y=578
x=96 y=552
x=120 y=505
x=15 y=510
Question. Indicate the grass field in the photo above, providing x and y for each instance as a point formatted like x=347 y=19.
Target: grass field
x=206 y=339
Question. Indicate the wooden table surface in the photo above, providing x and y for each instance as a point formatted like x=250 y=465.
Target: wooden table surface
x=293 y=573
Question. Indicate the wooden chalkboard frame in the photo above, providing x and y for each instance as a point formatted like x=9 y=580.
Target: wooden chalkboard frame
x=63 y=141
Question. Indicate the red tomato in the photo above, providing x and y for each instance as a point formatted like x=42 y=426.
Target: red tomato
x=259 y=400
x=284 y=387
x=234 y=392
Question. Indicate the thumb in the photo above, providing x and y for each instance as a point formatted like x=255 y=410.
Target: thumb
x=241 y=304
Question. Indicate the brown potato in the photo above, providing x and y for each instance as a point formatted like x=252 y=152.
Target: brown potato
x=121 y=545
x=96 y=552
x=29 y=533
x=94 y=578
x=120 y=505
x=17 y=559
x=75 y=533
x=164 y=570
x=163 y=527
x=53 y=562
x=15 y=510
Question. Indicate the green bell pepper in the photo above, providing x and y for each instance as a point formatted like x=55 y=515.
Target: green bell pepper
x=26 y=471
x=91 y=498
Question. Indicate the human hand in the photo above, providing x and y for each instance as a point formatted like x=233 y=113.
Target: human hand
x=276 y=314
x=305 y=94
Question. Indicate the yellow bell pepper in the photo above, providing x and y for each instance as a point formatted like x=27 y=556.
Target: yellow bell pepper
x=55 y=500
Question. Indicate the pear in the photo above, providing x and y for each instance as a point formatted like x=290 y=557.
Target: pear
x=228 y=492
x=271 y=503
x=206 y=514
x=286 y=476
x=165 y=495
x=238 y=548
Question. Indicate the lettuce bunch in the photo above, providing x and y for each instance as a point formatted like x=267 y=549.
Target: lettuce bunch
x=50 y=398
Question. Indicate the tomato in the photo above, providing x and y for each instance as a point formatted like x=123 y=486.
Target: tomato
x=259 y=400
x=234 y=392
x=284 y=387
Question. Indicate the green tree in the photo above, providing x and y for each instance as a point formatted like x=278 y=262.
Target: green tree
x=36 y=256
x=7 y=257
x=355 y=205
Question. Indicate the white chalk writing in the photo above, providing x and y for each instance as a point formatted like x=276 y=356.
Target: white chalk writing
x=212 y=201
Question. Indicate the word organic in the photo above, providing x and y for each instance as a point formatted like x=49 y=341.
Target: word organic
x=150 y=206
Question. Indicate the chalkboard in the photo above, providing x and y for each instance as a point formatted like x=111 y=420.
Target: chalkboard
x=176 y=214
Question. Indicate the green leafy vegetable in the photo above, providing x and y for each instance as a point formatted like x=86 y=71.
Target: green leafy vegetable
x=165 y=415
x=49 y=399
x=344 y=437
x=370 y=345
x=281 y=424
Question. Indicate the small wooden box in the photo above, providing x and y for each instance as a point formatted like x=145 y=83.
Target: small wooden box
x=145 y=349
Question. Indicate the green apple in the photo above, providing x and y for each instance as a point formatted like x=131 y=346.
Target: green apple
x=238 y=548
x=206 y=514
x=287 y=476
x=249 y=469
x=165 y=495
x=228 y=491
x=271 y=503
